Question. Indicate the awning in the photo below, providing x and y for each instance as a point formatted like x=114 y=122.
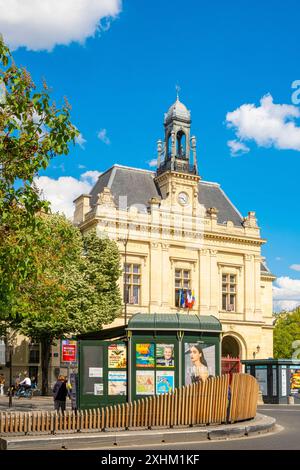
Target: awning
x=174 y=322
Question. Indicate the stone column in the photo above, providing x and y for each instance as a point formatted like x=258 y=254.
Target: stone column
x=154 y=277
x=257 y=289
x=166 y=277
x=249 y=287
x=204 y=284
x=214 y=283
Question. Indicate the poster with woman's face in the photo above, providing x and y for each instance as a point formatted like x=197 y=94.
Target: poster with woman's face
x=199 y=361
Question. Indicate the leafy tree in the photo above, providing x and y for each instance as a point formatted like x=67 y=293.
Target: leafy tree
x=32 y=132
x=286 y=331
x=48 y=289
x=76 y=288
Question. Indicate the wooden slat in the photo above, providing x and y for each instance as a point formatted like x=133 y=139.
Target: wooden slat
x=189 y=405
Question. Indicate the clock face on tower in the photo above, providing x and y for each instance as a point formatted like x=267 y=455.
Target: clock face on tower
x=183 y=198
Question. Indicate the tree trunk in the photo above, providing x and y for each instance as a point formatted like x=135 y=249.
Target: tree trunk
x=45 y=359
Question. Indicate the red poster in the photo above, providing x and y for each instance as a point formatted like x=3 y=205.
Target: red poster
x=68 y=351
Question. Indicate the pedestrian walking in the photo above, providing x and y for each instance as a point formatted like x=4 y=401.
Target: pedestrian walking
x=60 y=393
x=2 y=383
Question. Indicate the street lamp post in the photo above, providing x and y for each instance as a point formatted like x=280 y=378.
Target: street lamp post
x=10 y=343
x=10 y=375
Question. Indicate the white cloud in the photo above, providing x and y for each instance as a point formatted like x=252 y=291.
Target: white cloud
x=102 y=135
x=286 y=293
x=295 y=267
x=269 y=125
x=152 y=163
x=62 y=192
x=80 y=140
x=285 y=305
x=90 y=176
x=43 y=24
x=237 y=148
x=278 y=258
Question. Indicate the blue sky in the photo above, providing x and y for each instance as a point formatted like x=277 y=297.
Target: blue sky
x=223 y=55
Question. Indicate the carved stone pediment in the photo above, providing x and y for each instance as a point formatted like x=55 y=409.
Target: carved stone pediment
x=250 y=220
x=106 y=198
x=212 y=212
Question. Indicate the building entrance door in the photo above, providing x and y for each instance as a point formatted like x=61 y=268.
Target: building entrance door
x=231 y=361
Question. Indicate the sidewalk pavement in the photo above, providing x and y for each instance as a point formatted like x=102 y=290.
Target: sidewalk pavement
x=138 y=437
x=30 y=404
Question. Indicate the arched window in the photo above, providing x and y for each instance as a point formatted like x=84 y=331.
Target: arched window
x=169 y=145
x=181 y=144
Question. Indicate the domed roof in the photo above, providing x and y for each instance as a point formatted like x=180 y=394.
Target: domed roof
x=178 y=110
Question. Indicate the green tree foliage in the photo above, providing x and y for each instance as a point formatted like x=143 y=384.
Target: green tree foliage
x=32 y=131
x=75 y=290
x=287 y=330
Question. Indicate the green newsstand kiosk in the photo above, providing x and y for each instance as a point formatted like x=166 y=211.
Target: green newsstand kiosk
x=153 y=354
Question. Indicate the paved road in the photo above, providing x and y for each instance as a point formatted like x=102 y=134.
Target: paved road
x=286 y=437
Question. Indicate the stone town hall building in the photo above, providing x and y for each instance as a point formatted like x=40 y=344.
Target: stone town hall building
x=182 y=235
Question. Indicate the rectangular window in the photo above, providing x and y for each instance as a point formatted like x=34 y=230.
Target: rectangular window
x=34 y=353
x=182 y=285
x=132 y=283
x=229 y=292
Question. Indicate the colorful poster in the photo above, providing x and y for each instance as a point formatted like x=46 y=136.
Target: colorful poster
x=283 y=382
x=295 y=381
x=117 y=356
x=164 y=381
x=98 y=389
x=68 y=350
x=165 y=355
x=145 y=355
x=117 y=383
x=144 y=382
x=200 y=362
x=274 y=370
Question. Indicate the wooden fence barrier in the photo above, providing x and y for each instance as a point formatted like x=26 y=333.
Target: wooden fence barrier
x=218 y=400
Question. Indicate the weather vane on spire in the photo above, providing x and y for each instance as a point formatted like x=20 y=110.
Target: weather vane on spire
x=177 y=91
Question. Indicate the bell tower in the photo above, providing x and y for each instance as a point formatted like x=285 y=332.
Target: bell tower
x=177 y=170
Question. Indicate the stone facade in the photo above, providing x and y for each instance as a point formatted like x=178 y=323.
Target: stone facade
x=179 y=231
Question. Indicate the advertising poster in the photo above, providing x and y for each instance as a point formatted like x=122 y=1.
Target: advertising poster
x=261 y=375
x=164 y=381
x=145 y=355
x=165 y=355
x=98 y=389
x=117 y=383
x=283 y=381
x=68 y=350
x=144 y=382
x=200 y=360
x=274 y=370
x=295 y=380
x=117 y=356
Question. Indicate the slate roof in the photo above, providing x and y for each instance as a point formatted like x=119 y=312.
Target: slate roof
x=265 y=270
x=138 y=187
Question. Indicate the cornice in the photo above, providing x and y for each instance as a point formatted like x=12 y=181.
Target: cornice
x=234 y=238
x=268 y=277
x=242 y=322
x=181 y=176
